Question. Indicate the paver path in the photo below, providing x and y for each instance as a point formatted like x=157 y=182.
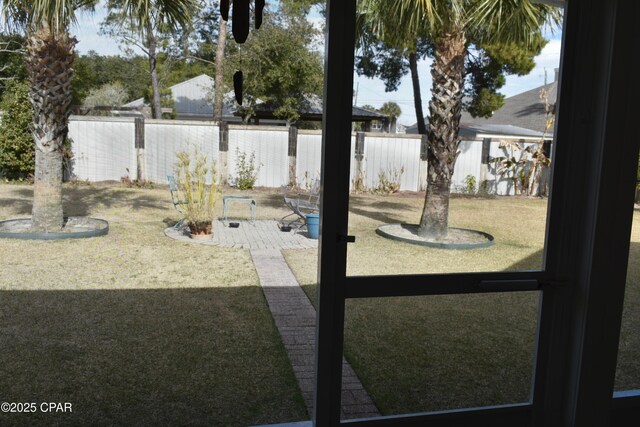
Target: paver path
x=260 y=235
x=295 y=319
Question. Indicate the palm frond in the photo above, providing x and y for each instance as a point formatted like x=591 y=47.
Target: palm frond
x=170 y=14
x=55 y=14
x=512 y=20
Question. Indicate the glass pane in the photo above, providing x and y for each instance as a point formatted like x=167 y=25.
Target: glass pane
x=628 y=372
x=416 y=354
x=424 y=183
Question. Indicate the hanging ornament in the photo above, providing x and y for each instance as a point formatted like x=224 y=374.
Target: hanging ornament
x=240 y=24
x=259 y=10
x=224 y=9
x=237 y=86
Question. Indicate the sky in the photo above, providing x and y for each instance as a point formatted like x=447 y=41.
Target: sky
x=369 y=91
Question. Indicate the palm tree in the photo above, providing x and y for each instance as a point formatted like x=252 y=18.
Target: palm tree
x=392 y=111
x=48 y=60
x=449 y=25
x=140 y=22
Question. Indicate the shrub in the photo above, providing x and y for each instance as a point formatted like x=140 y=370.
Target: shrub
x=359 y=183
x=485 y=189
x=109 y=94
x=470 y=184
x=199 y=199
x=126 y=181
x=246 y=170
x=17 y=155
x=389 y=184
x=17 y=149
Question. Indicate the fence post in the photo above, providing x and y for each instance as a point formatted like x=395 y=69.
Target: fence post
x=293 y=153
x=484 y=163
x=141 y=172
x=359 y=178
x=424 y=165
x=223 y=152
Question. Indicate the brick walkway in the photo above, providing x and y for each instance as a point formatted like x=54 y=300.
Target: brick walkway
x=261 y=235
x=295 y=319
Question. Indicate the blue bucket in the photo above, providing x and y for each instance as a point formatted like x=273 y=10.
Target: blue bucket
x=313 y=225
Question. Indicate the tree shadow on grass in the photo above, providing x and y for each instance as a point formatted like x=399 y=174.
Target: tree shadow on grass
x=80 y=201
x=22 y=207
x=380 y=216
x=384 y=211
x=273 y=200
x=146 y=357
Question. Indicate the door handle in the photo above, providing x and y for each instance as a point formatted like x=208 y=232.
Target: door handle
x=346 y=239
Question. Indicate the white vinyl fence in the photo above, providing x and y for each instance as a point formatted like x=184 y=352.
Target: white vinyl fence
x=308 y=160
x=105 y=149
x=164 y=139
x=269 y=149
x=392 y=157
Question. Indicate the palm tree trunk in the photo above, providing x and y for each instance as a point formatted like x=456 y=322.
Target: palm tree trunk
x=48 y=60
x=445 y=107
x=417 y=97
x=47 y=214
x=156 y=105
x=219 y=78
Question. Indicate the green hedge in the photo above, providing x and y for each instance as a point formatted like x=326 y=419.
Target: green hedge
x=17 y=156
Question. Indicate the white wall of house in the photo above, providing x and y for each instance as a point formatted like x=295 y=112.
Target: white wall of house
x=194 y=96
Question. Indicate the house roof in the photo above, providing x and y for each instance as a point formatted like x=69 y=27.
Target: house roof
x=481 y=131
x=525 y=110
x=471 y=131
x=191 y=101
x=313 y=111
x=200 y=81
x=522 y=115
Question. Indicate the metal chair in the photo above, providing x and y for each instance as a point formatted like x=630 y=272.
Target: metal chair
x=301 y=204
x=175 y=199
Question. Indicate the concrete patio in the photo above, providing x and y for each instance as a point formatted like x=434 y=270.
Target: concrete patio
x=262 y=234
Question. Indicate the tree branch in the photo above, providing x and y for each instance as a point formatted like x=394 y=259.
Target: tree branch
x=197 y=58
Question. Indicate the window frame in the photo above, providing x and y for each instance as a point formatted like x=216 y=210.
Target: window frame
x=582 y=284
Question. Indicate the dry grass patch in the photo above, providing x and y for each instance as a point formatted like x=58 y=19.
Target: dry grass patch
x=444 y=352
x=134 y=327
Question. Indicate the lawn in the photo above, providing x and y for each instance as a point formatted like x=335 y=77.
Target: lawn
x=444 y=352
x=136 y=328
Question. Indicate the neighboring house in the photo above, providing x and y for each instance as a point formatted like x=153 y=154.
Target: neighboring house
x=313 y=112
x=193 y=100
x=521 y=115
x=381 y=122
x=477 y=132
x=525 y=110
